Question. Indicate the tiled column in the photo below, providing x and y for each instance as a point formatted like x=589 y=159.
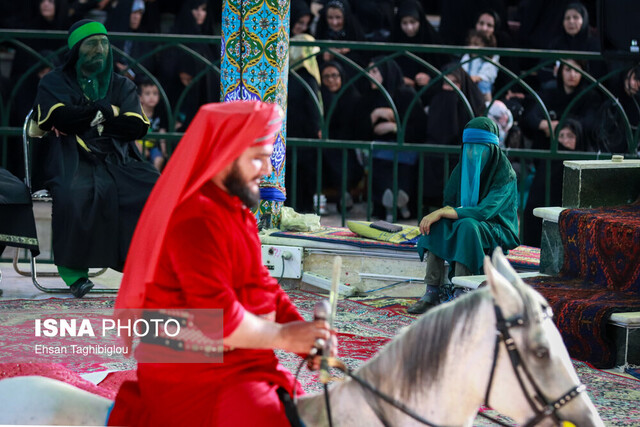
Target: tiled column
x=255 y=66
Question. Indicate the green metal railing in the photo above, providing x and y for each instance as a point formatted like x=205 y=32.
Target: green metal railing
x=19 y=40
x=546 y=58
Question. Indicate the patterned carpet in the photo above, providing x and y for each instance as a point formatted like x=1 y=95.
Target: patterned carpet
x=364 y=326
x=615 y=396
x=524 y=258
x=602 y=245
x=600 y=276
x=581 y=312
x=18 y=340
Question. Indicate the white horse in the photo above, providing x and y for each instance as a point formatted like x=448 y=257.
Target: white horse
x=443 y=368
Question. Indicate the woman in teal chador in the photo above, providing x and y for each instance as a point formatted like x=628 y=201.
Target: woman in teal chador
x=483 y=185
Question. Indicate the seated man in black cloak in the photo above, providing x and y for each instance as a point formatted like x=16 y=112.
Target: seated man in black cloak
x=96 y=176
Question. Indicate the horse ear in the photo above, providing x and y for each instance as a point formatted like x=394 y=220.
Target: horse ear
x=502 y=290
x=502 y=265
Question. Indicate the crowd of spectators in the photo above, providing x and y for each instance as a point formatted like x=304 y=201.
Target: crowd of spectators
x=358 y=106
x=439 y=114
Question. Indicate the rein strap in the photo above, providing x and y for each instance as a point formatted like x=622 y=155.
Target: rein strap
x=544 y=408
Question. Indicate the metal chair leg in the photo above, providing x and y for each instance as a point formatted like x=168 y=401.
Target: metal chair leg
x=16 y=267
x=34 y=279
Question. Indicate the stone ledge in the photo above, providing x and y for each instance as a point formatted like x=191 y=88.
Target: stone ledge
x=626 y=320
x=548 y=213
x=593 y=183
x=601 y=164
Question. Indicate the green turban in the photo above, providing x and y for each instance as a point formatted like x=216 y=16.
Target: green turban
x=83 y=29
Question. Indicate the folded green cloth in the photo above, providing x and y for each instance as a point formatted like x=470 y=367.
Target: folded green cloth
x=407 y=236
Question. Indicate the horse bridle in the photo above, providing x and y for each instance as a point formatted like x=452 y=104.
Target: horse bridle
x=542 y=407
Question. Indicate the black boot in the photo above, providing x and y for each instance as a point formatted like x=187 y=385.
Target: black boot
x=431 y=298
x=80 y=287
x=458 y=292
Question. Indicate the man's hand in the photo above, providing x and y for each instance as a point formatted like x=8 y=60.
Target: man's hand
x=409 y=82
x=435 y=216
x=297 y=337
x=108 y=111
x=300 y=336
x=57 y=132
x=314 y=363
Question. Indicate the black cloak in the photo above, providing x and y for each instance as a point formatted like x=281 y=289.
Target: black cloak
x=99 y=181
x=17 y=225
x=402 y=96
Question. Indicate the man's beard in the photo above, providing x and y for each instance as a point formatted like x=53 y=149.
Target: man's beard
x=94 y=66
x=236 y=186
x=91 y=67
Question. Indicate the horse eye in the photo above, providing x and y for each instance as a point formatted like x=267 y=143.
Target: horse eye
x=541 y=352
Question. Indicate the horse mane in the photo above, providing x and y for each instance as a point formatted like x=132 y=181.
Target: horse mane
x=420 y=351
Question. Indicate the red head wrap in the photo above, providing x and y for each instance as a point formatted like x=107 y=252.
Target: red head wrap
x=217 y=136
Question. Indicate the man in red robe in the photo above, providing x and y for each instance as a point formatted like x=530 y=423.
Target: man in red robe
x=196 y=246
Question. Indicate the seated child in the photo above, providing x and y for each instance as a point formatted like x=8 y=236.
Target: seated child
x=152 y=150
x=483 y=73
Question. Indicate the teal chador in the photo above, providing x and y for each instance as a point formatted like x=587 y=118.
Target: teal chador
x=479 y=229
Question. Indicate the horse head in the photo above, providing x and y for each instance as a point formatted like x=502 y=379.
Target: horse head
x=496 y=346
x=541 y=387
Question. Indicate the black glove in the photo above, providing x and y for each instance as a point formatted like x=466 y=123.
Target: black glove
x=105 y=108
